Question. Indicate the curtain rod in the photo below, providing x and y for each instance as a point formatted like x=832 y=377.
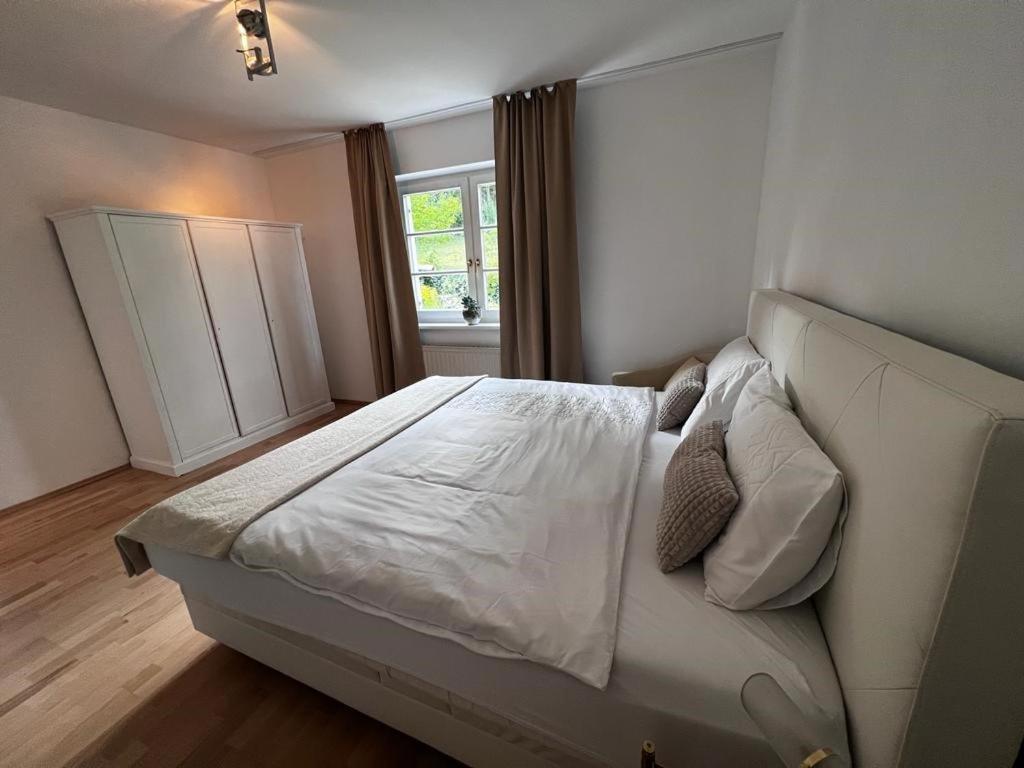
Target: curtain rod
x=588 y=81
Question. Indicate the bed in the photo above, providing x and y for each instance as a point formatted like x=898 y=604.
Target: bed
x=892 y=664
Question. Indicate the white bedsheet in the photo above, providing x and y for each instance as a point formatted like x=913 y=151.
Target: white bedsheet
x=498 y=521
x=679 y=662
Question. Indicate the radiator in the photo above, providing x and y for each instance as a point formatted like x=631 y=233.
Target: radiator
x=461 y=361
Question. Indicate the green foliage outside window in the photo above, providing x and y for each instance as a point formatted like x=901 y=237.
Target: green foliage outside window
x=443 y=209
x=493 y=292
x=439 y=252
x=488 y=205
x=442 y=291
x=439 y=209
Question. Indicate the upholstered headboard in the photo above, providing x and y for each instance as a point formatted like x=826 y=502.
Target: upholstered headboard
x=925 y=614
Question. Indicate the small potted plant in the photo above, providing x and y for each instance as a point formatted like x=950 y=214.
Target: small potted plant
x=470 y=310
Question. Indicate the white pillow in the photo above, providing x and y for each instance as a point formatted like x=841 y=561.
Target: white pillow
x=782 y=542
x=728 y=371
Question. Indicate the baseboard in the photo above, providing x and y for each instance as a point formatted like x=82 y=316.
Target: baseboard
x=176 y=470
x=231 y=446
x=63 y=489
x=356 y=403
x=151 y=465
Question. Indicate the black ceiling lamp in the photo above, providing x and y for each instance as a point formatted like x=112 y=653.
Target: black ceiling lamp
x=253 y=24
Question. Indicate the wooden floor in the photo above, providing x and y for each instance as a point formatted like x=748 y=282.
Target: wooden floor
x=97 y=669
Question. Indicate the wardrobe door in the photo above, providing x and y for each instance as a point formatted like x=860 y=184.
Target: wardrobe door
x=282 y=271
x=168 y=298
x=236 y=307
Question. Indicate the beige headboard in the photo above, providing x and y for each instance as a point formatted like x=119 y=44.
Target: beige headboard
x=925 y=614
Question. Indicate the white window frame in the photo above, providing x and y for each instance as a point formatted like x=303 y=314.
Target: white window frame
x=473 y=231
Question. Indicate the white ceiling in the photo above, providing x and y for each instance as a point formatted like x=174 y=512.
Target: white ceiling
x=170 y=65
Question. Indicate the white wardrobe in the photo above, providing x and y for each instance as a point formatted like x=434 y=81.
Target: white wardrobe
x=204 y=328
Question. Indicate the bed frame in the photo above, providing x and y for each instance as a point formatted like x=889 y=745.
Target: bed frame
x=925 y=614
x=466 y=731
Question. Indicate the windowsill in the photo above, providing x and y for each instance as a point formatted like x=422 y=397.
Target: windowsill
x=460 y=335
x=459 y=327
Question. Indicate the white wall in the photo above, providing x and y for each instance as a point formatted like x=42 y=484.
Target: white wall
x=443 y=143
x=311 y=187
x=668 y=182
x=665 y=163
x=894 y=182
x=57 y=423
x=668 y=179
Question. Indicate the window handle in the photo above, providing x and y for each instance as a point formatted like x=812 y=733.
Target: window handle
x=478 y=263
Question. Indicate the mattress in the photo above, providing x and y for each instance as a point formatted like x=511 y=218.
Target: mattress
x=679 y=663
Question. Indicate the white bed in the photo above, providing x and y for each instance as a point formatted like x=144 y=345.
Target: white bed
x=679 y=663
x=928 y=675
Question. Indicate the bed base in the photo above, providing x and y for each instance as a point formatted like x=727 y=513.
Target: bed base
x=458 y=728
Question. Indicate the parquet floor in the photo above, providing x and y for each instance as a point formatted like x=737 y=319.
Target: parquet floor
x=97 y=669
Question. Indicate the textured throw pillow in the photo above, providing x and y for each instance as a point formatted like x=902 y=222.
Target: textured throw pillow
x=727 y=373
x=682 y=392
x=781 y=543
x=699 y=497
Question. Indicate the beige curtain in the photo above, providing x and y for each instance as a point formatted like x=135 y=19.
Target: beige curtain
x=383 y=262
x=538 y=266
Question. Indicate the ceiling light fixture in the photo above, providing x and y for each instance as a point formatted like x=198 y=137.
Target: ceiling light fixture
x=253 y=23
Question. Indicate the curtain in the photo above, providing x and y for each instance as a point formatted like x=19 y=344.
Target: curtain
x=383 y=261
x=538 y=264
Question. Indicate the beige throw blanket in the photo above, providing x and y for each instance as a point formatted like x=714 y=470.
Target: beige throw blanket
x=206 y=519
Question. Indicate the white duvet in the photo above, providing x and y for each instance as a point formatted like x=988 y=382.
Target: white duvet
x=498 y=521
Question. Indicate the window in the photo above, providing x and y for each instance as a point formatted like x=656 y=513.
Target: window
x=451 y=230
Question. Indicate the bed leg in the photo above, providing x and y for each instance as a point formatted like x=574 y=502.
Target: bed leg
x=817 y=757
x=647 y=755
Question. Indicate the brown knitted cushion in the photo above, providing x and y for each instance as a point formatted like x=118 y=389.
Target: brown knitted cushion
x=682 y=392
x=699 y=497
